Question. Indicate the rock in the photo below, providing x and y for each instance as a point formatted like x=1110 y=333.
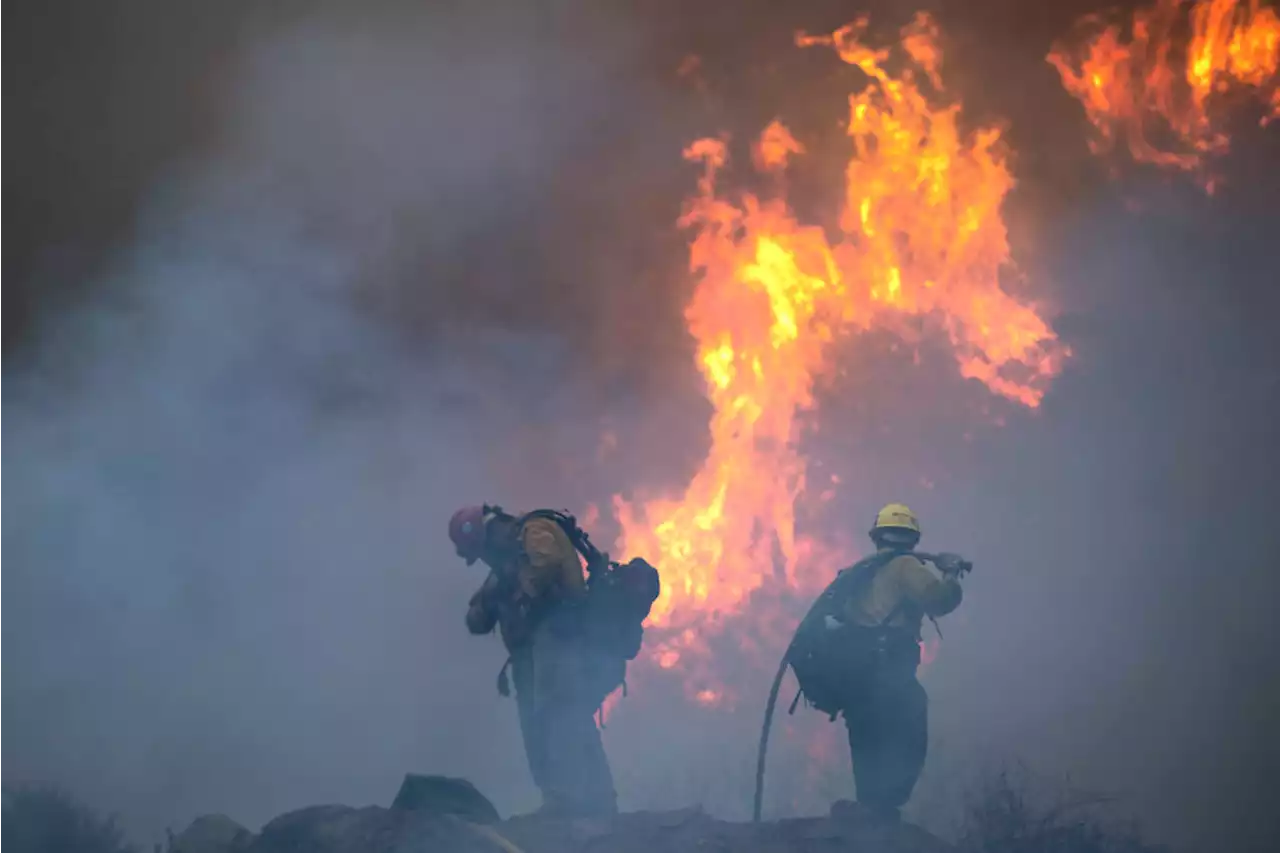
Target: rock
x=338 y=829
x=213 y=833
x=694 y=831
x=850 y=811
x=425 y=819
x=670 y=820
x=441 y=795
x=587 y=830
x=326 y=829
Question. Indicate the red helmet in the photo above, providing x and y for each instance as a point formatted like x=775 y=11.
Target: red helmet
x=466 y=530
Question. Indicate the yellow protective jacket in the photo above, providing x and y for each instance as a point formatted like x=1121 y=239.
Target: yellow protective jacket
x=902 y=593
x=535 y=568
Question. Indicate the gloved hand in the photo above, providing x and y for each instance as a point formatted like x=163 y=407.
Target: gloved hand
x=482 y=611
x=952 y=565
x=489 y=592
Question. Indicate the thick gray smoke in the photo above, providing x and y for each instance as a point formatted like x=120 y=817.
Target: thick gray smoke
x=428 y=260
x=227 y=582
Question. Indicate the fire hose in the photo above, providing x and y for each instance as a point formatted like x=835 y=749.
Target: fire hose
x=764 y=734
x=949 y=563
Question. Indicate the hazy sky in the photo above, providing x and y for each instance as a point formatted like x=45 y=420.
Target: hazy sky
x=287 y=288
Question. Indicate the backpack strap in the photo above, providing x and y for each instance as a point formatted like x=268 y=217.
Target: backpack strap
x=504 y=683
x=853 y=580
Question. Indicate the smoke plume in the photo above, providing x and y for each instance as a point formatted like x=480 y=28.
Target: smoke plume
x=424 y=255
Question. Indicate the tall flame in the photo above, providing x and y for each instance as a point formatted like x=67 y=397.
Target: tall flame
x=921 y=237
x=1154 y=89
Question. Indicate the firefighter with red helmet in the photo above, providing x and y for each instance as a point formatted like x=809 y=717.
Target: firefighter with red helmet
x=533 y=595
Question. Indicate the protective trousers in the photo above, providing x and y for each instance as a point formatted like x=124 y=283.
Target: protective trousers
x=530 y=733
x=887 y=720
x=554 y=694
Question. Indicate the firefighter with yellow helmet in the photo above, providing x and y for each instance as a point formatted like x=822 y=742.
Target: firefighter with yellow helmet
x=886 y=711
x=855 y=655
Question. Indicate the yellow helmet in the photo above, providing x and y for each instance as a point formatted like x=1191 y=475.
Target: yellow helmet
x=896 y=517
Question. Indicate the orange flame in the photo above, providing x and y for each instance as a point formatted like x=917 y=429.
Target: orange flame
x=775 y=147
x=929 y=648
x=922 y=237
x=1155 y=89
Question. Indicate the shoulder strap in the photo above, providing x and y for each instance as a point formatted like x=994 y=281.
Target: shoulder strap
x=855 y=579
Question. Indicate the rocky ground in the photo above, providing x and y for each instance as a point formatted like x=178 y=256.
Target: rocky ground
x=438 y=815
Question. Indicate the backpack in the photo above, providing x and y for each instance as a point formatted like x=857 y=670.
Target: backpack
x=611 y=617
x=831 y=658
x=619 y=595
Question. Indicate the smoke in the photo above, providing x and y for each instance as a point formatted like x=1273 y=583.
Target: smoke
x=229 y=466
x=427 y=259
x=1120 y=630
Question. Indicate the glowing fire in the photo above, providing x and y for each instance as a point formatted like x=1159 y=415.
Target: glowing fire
x=921 y=237
x=1154 y=88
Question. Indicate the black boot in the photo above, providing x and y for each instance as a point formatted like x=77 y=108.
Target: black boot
x=885 y=814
